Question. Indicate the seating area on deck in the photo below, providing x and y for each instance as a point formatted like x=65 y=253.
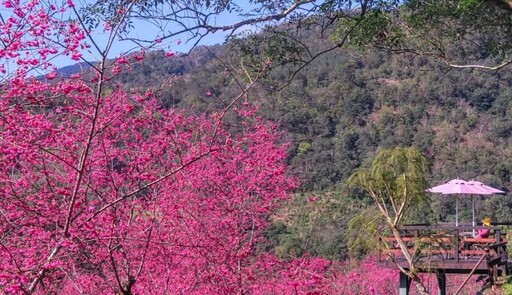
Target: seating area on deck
x=449 y=248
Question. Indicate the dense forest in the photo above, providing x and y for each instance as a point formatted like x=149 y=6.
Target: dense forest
x=338 y=111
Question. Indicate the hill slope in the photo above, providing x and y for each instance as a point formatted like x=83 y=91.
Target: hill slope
x=339 y=110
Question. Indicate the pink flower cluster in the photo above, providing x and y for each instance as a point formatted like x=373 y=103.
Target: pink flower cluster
x=101 y=191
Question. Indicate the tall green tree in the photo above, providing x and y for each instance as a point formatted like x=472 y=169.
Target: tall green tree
x=396 y=182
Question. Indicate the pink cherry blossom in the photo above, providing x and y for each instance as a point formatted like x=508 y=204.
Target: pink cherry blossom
x=51 y=75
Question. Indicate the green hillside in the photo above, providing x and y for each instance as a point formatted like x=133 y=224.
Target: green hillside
x=339 y=110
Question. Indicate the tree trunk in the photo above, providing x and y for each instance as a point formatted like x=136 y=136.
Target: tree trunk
x=419 y=285
x=411 y=273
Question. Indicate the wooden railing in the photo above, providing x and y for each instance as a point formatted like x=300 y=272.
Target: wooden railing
x=447 y=243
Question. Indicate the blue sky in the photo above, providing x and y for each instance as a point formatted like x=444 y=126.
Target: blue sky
x=146 y=31
x=142 y=29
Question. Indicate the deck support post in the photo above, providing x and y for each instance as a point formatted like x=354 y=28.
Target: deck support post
x=441 y=282
x=405 y=284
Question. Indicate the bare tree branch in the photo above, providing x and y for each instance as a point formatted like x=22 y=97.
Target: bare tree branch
x=482 y=67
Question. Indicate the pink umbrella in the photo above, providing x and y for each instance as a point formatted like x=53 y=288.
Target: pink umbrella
x=485 y=189
x=459 y=186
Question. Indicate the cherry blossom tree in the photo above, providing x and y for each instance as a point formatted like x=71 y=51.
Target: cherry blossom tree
x=115 y=192
x=313 y=275
x=102 y=190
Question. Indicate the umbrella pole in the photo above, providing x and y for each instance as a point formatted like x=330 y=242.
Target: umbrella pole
x=473 y=205
x=456 y=211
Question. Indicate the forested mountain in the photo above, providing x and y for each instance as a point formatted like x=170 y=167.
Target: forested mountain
x=342 y=108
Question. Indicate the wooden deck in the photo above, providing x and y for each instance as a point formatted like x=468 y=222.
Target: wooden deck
x=449 y=249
